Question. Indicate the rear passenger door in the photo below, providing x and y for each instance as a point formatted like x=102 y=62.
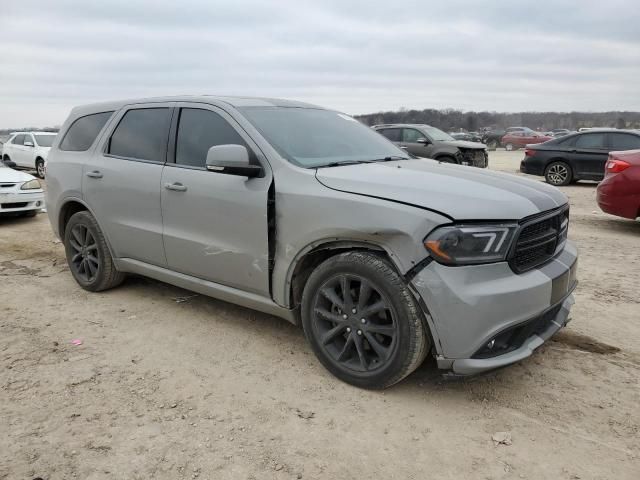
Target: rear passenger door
x=215 y=225
x=589 y=155
x=121 y=182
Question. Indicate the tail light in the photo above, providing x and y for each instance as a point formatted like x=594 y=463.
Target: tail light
x=529 y=152
x=616 y=166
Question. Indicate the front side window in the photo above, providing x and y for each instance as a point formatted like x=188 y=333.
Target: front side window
x=393 y=134
x=591 y=140
x=311 y=138
x=83 y=132
x=411 y=135
x=18 y=139
x=436 y=134
x=199 y=130
x=624 y=141
x=141 y=135
x=44 y=140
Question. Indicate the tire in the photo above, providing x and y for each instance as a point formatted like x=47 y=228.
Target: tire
x=371 y=350
x=94 y=272
x=40 y=168
x=6 y=159
x=558 y=174
x=509 y=147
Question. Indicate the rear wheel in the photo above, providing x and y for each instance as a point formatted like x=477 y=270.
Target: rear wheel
x=40 y=168
x=362 y=322
x=558 y=174
x=88 y=255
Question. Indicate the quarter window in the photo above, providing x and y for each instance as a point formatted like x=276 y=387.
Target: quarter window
x=199 y=130
x=410 y=135
x=591 y=140
x=393 y=134
x=84 y=131
x=141 y=135
x=624 y=141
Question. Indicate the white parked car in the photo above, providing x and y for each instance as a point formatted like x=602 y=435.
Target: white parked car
x=20 y=193
x=29 y=150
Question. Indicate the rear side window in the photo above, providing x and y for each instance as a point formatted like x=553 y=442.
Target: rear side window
x=141 y=135
x=591 y=140
x=84 y=131
x=624 y=141
x=199 y=130
x=410 y=135
x=18 y=140
x=393 y=134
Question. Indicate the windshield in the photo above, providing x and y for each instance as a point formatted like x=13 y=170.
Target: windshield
x=44 y=140
x=436 y=134
x=313 y=138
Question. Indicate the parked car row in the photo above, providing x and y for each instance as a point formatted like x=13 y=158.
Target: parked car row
x=20 y=193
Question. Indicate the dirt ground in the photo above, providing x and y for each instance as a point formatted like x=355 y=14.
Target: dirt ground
x=166 y=385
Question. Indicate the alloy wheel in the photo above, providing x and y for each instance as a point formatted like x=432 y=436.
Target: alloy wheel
x=354 y=323
x=558 y=174
x=40 y=169
x=84 y=260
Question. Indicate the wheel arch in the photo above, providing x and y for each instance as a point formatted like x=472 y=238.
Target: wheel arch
x=313 y=255
x=442 y=156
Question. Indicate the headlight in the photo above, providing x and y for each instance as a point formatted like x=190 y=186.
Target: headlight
x=31 y=185
x=470 y=244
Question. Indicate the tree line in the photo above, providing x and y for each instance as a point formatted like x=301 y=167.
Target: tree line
x=455 y=120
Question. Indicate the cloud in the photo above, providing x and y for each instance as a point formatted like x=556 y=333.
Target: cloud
x=357 y=57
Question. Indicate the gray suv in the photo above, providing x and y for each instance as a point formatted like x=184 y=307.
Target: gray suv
x=426 y=141
x=304 y=213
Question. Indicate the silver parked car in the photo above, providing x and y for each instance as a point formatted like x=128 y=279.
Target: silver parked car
x=305 y=213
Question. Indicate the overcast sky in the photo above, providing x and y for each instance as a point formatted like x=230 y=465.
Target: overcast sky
x=358 y=57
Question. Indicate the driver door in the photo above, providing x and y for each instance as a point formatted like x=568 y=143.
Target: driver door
x=417 y=143
x=214 y=224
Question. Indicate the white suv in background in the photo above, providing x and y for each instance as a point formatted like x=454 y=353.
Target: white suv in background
x=29 y=150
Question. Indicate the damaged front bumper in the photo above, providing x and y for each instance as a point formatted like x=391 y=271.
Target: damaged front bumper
x=485 y=317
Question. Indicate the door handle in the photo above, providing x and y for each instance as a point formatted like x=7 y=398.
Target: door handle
x=176 y=187
x=94 y=174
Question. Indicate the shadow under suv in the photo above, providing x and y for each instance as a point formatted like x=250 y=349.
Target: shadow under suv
x=426 y=141
x=307 y=214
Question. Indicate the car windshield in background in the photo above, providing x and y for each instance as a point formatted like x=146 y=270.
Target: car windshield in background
x=313 y=138
x=45 y=140
x=437 y=135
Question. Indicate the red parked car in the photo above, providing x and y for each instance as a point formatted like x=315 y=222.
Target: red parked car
x=518 y=139
x=619 y=192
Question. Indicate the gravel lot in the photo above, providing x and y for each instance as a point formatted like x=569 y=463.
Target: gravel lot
x=168 y=385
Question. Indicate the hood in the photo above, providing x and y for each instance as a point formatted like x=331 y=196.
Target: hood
x=8 y=175
x=464 y=144
x=457 y=191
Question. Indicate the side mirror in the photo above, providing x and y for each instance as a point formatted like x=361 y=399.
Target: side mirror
x=231 y=160
x=423 y=141
x=11 y=164
x=28 y=143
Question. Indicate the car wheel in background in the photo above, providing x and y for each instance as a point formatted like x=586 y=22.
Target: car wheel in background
x=510 y=147
x=40 y=171
x=492 y=145
x=558 y=174
x=446 y=159
x=88 y=255
x=362 y=321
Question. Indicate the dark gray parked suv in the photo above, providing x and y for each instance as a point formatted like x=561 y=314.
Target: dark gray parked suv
x=429 y=142
x=307 y=214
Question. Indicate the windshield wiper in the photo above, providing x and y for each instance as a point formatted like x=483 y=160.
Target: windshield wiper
x=340 y=164
x=389 y=158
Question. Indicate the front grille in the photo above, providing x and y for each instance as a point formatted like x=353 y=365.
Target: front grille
x=477 y=158
x=538 y=240
x=13 y=205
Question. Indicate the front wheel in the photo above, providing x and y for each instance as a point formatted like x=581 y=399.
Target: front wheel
x=362 y=321
x=88 y=256
x=558 y=174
